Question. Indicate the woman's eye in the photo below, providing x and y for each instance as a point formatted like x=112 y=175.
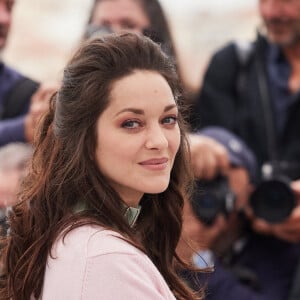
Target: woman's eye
x=131 y=124
x=170 y=120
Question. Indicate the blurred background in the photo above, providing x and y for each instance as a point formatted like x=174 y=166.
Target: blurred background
x=45 y=32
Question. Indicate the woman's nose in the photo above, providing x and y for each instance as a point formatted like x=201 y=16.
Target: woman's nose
x=156 y=138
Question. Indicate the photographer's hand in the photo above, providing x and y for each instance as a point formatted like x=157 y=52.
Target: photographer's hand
x=197 y=236
x=289 y=230
x=38 y=106
x=209 y=157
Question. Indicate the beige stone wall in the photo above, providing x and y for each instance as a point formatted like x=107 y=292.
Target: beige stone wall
x=45 y=32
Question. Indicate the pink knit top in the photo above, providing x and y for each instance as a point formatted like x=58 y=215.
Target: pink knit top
x=94 y=263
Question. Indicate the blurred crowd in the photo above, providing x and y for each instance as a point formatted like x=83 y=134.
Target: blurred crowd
x=241 y=223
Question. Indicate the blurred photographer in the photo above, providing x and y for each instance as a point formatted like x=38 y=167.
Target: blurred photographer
x=22 y=100
x=140 y=16
x=252 y=89
x=14 y=158
x=248 y=265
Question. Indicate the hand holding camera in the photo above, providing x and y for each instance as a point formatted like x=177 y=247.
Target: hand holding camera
x=272 y=206
x=289 y=229
x=273 y=199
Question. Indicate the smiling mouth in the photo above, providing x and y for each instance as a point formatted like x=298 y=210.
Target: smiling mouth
x=154 y=161
x=155 y=164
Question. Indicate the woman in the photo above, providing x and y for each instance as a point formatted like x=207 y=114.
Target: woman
x=111 y=147
x=140 y=16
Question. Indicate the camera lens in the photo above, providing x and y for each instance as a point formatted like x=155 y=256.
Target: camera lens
x=273 y=200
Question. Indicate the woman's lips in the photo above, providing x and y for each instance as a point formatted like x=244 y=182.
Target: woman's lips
x=155 y=163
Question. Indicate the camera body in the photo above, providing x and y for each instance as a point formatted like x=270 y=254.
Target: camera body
x=272 y=200
x=211 y=198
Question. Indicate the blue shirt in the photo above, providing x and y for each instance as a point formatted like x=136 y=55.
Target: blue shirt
x=279 y=71
x=11 y=130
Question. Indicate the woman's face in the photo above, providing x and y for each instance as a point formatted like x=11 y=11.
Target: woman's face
x=121 y=15
x=138 y=136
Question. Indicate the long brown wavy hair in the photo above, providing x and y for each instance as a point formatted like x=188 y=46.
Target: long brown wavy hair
x=64 y=174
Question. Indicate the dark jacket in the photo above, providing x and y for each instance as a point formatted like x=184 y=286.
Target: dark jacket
x=262 y=271
x=223 y=102
x=15 y=95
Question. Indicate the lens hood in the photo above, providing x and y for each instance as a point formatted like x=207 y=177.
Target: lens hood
x=273 y=200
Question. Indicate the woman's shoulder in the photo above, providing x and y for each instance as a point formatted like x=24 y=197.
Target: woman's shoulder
x=91 y=240
x=109 y=242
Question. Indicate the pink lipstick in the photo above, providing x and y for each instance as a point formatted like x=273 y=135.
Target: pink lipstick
x=155 y=163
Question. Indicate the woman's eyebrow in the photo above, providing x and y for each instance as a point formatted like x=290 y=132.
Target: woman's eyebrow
x=141 y=111
x=133 y=110
x=169 y=107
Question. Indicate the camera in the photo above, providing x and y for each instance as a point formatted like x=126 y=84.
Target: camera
x=273 y=200
x=211 y=198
